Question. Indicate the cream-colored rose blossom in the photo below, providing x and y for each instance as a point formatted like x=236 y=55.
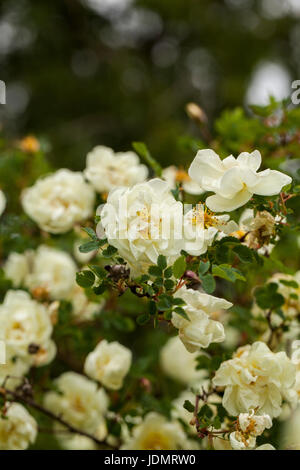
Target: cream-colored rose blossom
x=47 y=268
x=249 y=426
x=234 y=180
x=25 y=322
x=83 y=308
x=53 y=270
x=109 y=363
x=107 y=170
x=18 y=429
x=141 y=223
x=156 y=433
x=255 y=425
x=178 y=363
x=15 y=368
x=256 y=378
x=200 y=330
x=2 y=202
x=202 y=227
x=58 y=201
x=173 y=175
x=16 y=268
x=79 y=402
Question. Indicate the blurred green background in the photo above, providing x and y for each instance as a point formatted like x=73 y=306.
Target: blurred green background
x=87 y=72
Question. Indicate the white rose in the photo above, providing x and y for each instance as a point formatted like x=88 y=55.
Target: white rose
x=255 y=378
x=80 y=402
x=16 y=268
x=83 y=308
x=156 y=433
x=18 y=429
x=173 y=175
x=141 y=223
x=2 y=202
x=25 y=323
x=255 y=425
x=234 y=181
x=58 y=201
x=201 y=228
x=106 y=170
x=178 y=363
x=52 y=270
x=108 y=363
x=200 y=330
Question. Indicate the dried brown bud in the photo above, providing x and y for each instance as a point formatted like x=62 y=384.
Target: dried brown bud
x=196 y=113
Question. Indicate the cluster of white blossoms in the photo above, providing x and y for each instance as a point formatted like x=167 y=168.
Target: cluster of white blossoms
x=200 y=330
x=58 y=201
x=80 y=403
x=107 y=170
x=27 y=329
x=50 y=274
x=108 y=364
x=234 y=180
x=256 y=378
x=18 y=429
x=144 y=220
x=249 y=426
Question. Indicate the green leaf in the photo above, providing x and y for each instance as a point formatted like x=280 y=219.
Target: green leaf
x=208 y=283
x=85 y=278
x=89 y=246
x=203 y=267
x=152 y=307
x=189 y=406
x=155 y=271
x=109 y=251
x=169 y=284
x=292 y=283
x=162 y=262
x=143 y=319
x=205 y=411
x=164 y=303
x=179 y=267
x=267 y=296
x=244 y=253
x=98 y=271
x=225 y=271
x=180 y=311
x=91 y=233
x=142 y=150
x=168 y=272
